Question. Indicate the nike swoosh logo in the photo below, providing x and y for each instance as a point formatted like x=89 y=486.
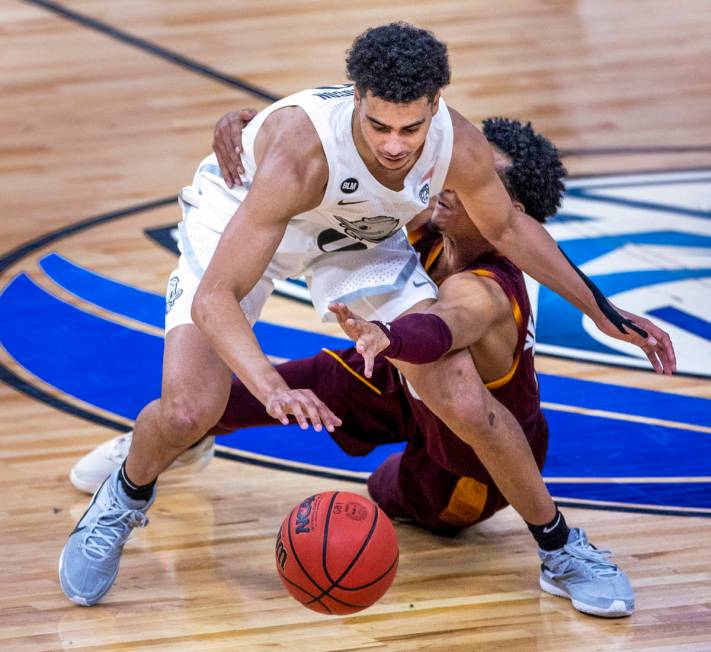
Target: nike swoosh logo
x=348 y=203
x=419 y=285
x=548 y=530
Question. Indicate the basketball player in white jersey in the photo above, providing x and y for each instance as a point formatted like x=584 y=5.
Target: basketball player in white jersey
x=331 y=176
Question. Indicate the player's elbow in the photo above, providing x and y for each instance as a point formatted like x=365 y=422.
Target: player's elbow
x=200 y=309
x=502 y=234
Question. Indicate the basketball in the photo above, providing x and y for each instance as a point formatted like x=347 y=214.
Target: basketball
x=336 y=552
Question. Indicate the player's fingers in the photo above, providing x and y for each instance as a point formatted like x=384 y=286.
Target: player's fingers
x=310 y=406
x=667 y=360
x=295 y=408
x=234 y=147
x=276 y=411
x=329 y=419
x=668 y=348
x=363 y=346
x=662 y=343
x=655 y=352
x=651 y=353
x=336 y=309
x=343 y=311
x=326 y=416
x=369 y=359
x=236 y=168
x=224 y=165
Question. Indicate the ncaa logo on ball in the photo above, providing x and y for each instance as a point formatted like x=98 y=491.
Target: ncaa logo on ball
x=303 y=515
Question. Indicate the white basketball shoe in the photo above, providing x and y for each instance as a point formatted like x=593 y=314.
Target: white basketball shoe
x=92 y=469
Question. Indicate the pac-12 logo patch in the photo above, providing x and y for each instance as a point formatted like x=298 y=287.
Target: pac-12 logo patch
x=349 y=186
x=425 y=193
x=645 y=241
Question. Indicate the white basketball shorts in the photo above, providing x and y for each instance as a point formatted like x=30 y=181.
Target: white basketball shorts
x=379 y=283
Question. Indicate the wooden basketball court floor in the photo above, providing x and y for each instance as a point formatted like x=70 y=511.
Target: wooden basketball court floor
x=109 y=106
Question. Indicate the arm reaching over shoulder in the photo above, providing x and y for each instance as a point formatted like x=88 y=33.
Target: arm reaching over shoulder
x=290 y=159
x=529 y=246
x=227 y=144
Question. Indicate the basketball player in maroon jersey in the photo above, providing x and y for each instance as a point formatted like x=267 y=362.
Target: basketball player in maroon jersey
x=438 y=481
x=394 y=127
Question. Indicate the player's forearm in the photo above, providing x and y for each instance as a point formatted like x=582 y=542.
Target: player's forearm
x=222 y=321
x=529 y=246
x=467 y=319
x=416 y=338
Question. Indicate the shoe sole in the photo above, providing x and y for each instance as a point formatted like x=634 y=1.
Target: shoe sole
x=617 y=609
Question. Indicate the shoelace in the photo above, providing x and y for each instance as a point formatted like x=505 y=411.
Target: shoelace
x=110 y=529
x=597 y=559
x=119 y=451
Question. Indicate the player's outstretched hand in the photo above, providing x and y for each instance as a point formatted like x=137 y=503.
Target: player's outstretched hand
x=657 y=346
x=227 y=144
x=304 y=406
x=369 y=338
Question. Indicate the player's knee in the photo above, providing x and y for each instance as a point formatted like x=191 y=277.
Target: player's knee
x=473 y=412
x=186 y=420
x=464 y=409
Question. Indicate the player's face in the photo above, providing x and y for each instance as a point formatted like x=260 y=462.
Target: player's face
x=394 y=133
x=451 y=218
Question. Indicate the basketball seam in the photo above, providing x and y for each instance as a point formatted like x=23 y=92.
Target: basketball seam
x=298 y=561
x=375 y=581
x=335 y=584
x=324 y=547
x=301 y=588
x=323 y=593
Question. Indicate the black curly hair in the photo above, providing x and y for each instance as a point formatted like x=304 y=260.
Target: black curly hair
x=398 y=63
x=535 y=175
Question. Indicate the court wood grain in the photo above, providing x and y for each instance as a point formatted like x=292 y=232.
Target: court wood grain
x=91 y=124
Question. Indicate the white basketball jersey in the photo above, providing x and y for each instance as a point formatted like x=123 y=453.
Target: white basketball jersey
x=357 y=211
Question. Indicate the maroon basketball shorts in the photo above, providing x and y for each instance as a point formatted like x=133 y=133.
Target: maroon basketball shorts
x=443 y=493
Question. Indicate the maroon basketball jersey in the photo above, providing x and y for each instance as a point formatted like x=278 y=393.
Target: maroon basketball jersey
x=517 y=389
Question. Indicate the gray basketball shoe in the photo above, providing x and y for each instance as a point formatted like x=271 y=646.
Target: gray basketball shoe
x=586 y=576
x=90 y=559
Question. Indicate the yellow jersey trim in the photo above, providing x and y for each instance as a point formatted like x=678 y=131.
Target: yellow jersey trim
x=518 y=318
x=362 y=379
x=433 y=255
x=415 y=236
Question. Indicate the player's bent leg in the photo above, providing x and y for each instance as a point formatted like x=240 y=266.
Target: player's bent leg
x=196 y=384
x=411 y=486
x=195 y=389
x=453 y=390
